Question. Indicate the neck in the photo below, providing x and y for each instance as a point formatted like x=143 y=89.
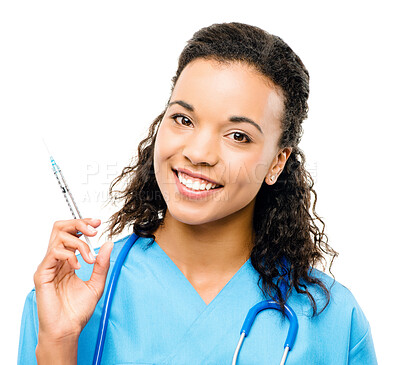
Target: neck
x=215 y=249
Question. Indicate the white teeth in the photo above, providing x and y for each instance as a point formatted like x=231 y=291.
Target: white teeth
x=196 y=185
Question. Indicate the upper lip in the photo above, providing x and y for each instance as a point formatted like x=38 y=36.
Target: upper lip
x=188 y=172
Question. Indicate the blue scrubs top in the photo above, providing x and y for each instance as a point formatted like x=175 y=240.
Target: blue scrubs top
x=157 y=317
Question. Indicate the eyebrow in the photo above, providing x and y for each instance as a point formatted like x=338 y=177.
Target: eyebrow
x=235 y=119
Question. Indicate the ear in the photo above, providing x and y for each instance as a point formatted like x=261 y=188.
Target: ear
x=277 y=165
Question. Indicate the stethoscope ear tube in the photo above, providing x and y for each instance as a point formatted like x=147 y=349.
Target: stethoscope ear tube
x=109 y=297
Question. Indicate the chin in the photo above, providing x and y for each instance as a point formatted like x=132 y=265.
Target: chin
x=191 y=217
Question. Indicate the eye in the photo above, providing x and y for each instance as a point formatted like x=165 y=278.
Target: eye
x=248 y=139
x=187 y=120
x=184 y=119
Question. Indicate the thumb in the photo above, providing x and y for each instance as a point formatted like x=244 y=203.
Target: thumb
x=100 y=269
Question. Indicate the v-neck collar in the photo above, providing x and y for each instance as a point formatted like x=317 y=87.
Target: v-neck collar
x=188 y=285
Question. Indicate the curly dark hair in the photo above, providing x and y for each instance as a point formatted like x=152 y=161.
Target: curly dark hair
x=285 y=231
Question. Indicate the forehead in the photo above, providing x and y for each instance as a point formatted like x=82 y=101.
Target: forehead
x=220 y=89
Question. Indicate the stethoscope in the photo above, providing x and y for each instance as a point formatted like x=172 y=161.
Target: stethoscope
x=252 y=314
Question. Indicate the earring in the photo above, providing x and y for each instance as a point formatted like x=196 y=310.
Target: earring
x=272 y=177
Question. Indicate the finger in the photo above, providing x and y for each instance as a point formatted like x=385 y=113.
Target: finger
x=56 y=255
x=74 y=226
x=47 y=270
x=73 y=243
x=100 y=269
x=87 y=226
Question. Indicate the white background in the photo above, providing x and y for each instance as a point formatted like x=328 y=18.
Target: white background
x=90 y=77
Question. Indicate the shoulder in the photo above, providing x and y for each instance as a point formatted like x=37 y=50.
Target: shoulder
x=345 y=312
x=30 y=304
x=343 y=308
x=341 y=298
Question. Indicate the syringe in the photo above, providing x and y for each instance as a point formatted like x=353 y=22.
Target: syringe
x=68 y=195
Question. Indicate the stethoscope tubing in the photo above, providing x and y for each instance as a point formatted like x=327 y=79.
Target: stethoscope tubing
x=109 y=297
x=250 y=318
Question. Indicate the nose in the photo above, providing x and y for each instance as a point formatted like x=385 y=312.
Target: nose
x=202 y=148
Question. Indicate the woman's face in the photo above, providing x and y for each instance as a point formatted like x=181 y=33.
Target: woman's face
x=204 y=131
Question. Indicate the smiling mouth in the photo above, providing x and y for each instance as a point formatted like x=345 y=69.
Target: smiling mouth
x=216 y=187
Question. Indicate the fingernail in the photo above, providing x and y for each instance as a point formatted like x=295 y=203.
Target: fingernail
x=91 y=229
x=91 y=256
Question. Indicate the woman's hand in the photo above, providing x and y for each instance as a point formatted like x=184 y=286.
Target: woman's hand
x=65 y=302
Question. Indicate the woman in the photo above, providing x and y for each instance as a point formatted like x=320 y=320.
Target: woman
x=220 y=199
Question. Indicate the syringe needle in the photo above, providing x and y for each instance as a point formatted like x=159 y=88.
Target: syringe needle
x=68 y=195
x=47 y=148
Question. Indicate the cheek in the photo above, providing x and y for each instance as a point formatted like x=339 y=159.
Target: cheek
x=260 y=169
x=247 y=169
x=163 y=146
x=261 y=162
